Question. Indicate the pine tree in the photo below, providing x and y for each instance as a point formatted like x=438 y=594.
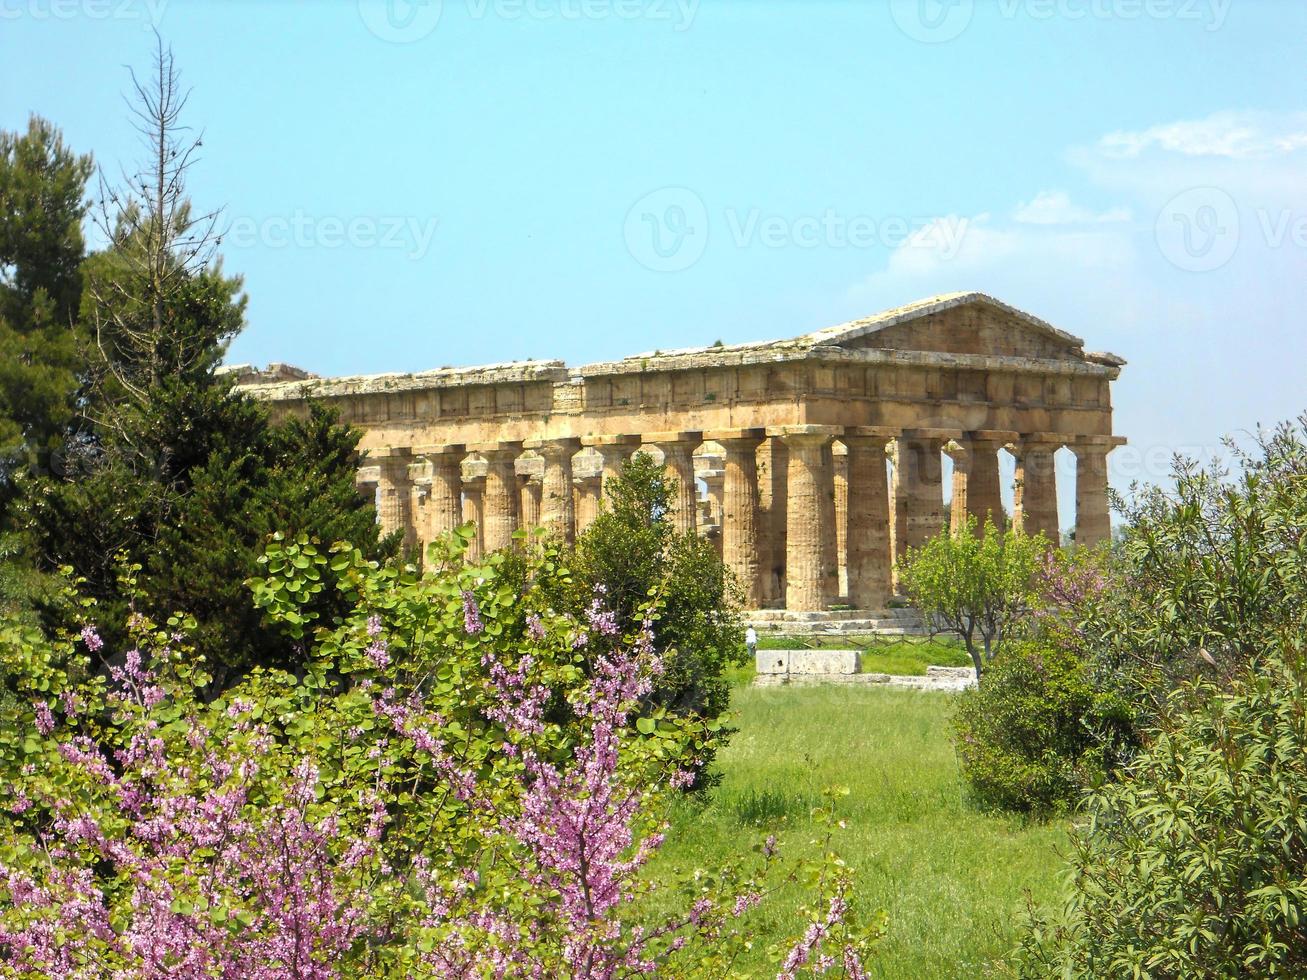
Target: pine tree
x=167 y=467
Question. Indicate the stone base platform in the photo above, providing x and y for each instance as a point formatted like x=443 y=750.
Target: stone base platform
x=887 y=622
x=936 y=679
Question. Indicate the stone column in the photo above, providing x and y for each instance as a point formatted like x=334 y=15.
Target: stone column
x=960 y=453
x=557 y=503
x=529 y=494
x=919 y=488
x=984 y=495
x=499 y=503
x=1035 y=491
x=805 y=572
x=613 y=452
x=869 y=557
x=1093 y=522
x=588 y=490
x=444 y=508
x=714 y=478
x=830 y=559
x=472 y=514
x=739 y=514
x=840 y=480
x=772 y=467
x=395 y=495
x=678 y=459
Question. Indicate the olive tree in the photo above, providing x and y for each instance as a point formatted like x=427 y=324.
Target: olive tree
x=974 y=583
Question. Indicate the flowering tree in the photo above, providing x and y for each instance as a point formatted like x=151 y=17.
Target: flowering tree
x=457 y=786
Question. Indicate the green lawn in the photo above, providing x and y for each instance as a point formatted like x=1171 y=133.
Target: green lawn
x=909 y=655
x=953 y=881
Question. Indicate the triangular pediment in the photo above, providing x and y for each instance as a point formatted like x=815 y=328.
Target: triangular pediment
x=958 y=323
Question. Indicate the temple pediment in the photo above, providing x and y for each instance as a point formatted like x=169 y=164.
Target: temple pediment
x=959 y=323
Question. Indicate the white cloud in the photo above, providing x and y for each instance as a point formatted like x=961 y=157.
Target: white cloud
x=1057 y=208
x=1232 y=135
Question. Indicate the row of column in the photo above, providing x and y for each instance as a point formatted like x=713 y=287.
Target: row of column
x=796 y=528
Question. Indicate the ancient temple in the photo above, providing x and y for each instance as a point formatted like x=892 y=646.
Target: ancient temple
x=821 y=456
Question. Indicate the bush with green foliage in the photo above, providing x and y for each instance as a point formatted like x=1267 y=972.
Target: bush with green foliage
x=975 y=582
x=462 y=783
x=1208 y=577
x=1036 y=732
x=632 y=550
x=1196 y=864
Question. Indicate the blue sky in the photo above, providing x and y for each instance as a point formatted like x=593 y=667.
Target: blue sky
x=415 y=185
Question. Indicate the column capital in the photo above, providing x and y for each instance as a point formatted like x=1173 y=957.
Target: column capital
x=880 y=433
x=805 y=433
x=1104 y=444
x=1035 y=442
x=566 y=444
x=598 y=441
x=672 y=438
x=931 y=435
x=495 y=449
x=735 y=435
x=447 y=449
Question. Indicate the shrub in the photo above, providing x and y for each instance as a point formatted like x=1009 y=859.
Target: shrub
x=1196 y=865
x=462 y=783
x=976 y=582
x=1035 y=731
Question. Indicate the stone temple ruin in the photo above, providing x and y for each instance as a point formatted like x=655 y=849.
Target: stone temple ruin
x=821 y=455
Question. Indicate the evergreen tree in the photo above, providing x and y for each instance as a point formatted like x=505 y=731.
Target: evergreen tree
x=42 y=205
x=167 y=472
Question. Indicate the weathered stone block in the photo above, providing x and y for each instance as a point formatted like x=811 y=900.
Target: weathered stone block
x=808 y=661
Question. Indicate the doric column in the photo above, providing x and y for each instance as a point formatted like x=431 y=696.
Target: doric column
x=830 y=559
x=1093 y=523
x=960 y=454
x=919 y=488
x=713 y=475
x=678 y=459
x=1034 y=493
x=472 y=514
x=499 y=503
x=444 y=508
x=613 y=452
x=557 y=502
x=869 y=559
x=395 y=495
x=840 y=496
x=772 y=467
x=587 y=492
x=739 y=513
x=529 y=494
x=984 y=493
x=805 y=571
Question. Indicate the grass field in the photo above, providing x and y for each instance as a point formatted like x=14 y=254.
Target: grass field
x=952 y=881
x=909 y=655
